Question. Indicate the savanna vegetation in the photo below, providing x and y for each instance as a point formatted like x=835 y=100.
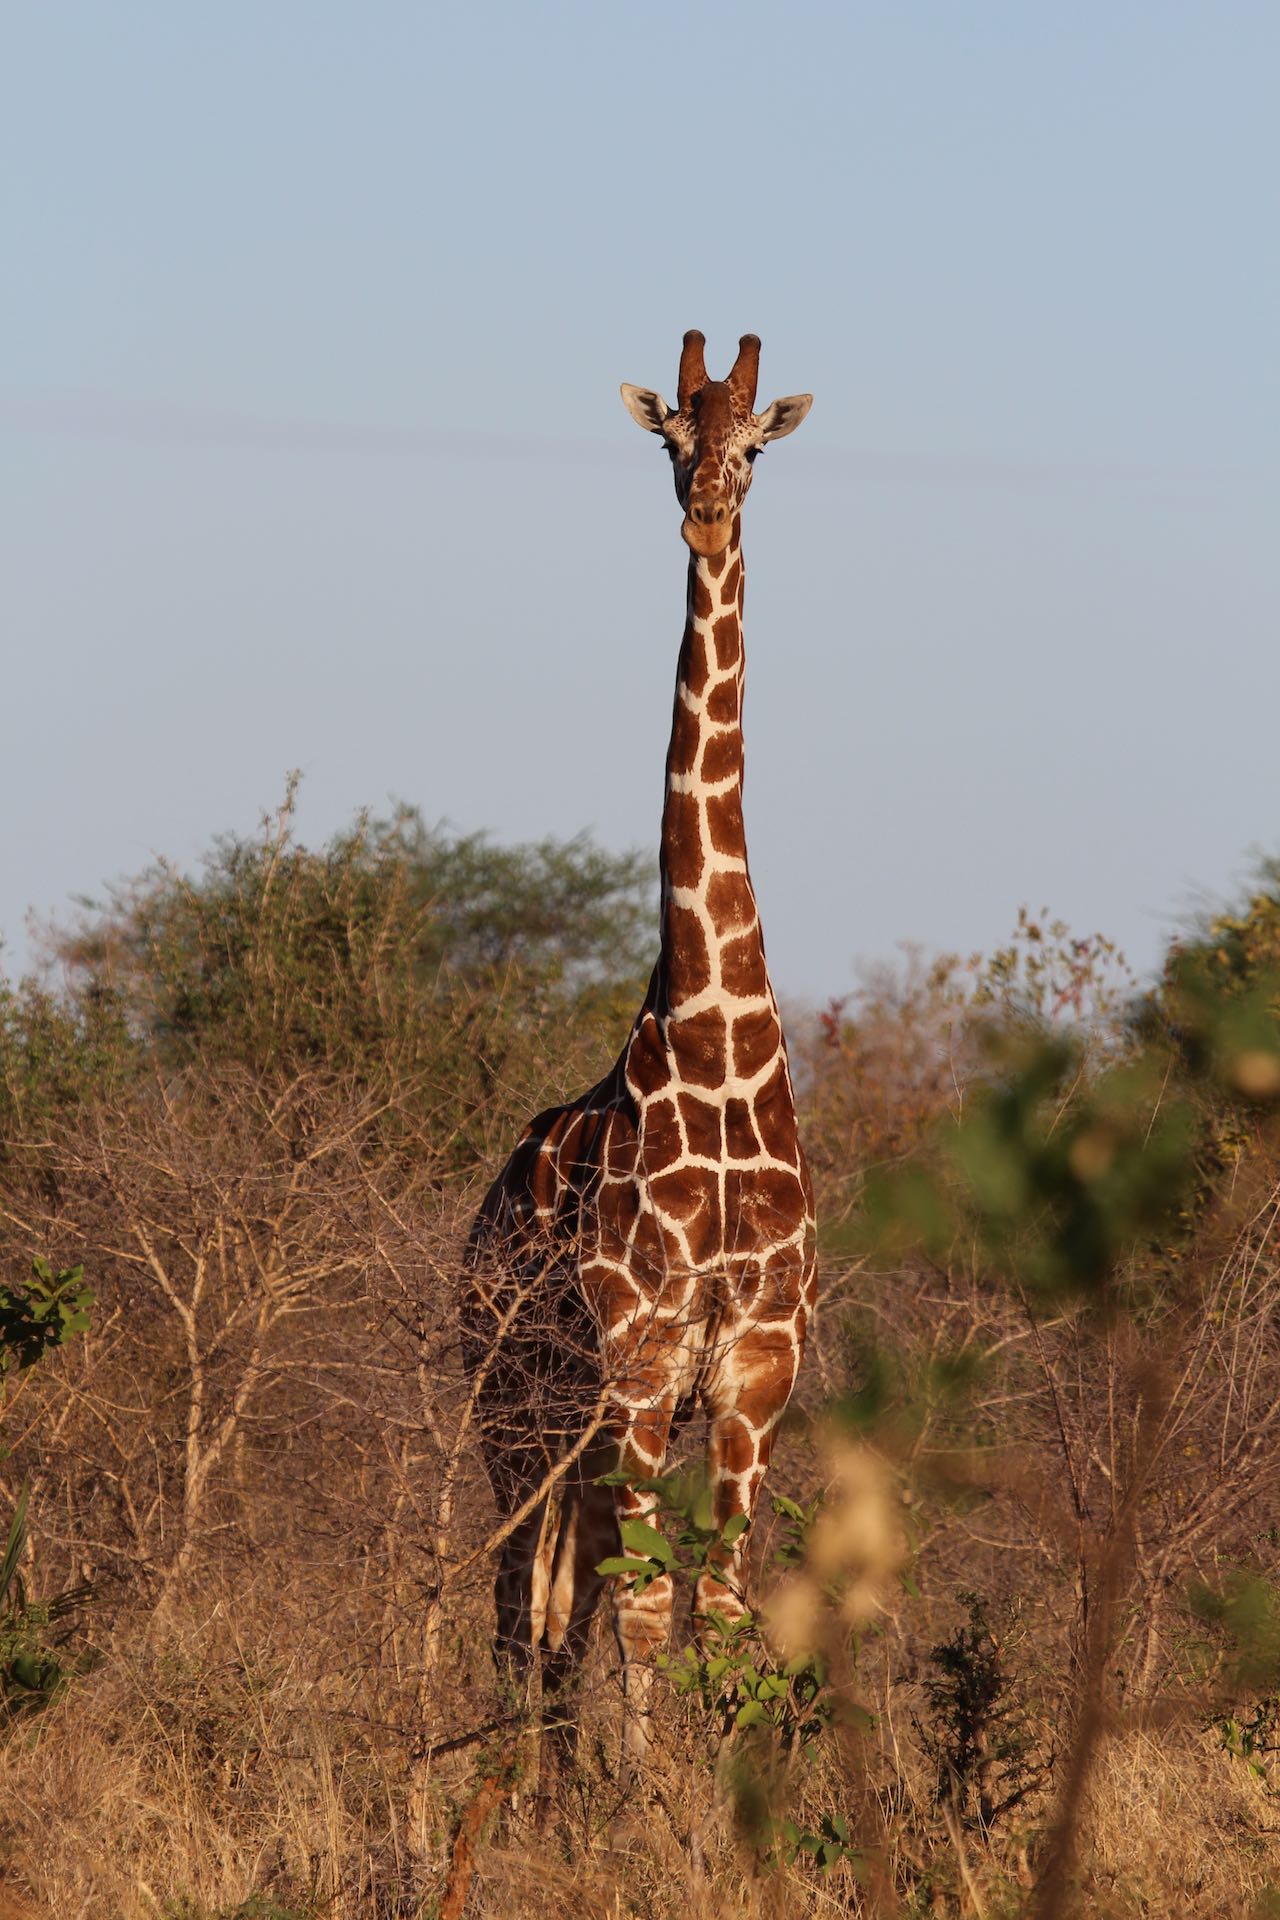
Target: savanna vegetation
x=1017 y=1646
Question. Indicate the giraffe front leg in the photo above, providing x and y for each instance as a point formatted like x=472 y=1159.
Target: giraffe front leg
x=746 y=1399
x=642 y=1621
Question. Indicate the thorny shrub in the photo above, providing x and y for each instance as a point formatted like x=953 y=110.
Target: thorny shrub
x=259 y=1107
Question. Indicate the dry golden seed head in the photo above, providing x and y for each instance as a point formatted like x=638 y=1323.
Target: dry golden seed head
x=1256 y=1074
x=793 y=1613
x=857 y=1532
x=1092 y=1153
x=856 y=1544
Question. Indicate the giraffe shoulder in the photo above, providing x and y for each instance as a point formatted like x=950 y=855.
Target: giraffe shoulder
x=550 y=1167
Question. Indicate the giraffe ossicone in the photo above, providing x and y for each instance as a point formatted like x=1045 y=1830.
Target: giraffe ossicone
x=650 y=1245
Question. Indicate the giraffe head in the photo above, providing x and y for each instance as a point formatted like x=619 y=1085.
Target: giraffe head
x=713 y=436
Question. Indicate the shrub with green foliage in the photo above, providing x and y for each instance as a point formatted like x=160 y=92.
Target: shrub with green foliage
x=438 y=973
x=35 y=1319
x=281 y=953
x=40 y=1315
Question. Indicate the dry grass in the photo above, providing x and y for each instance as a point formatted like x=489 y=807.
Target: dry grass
x=247 y=1749
x=1175 y=1826
x=261 y=1456
x=204 y=1769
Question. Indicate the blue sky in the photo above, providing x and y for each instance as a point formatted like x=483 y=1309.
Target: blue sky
x=311 y=451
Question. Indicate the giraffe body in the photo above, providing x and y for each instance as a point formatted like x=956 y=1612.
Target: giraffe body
x=650 y=1245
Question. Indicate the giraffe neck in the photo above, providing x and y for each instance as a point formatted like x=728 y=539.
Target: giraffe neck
x=712 y=948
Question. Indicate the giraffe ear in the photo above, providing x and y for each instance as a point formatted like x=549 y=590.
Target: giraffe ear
x=649 y=410
x=783 y=417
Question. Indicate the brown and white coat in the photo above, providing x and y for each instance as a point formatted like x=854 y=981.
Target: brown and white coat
x=651 y=1245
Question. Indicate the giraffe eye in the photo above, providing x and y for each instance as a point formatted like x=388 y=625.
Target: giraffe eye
x=753 y=454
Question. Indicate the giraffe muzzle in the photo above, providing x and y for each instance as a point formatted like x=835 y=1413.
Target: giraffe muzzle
x=708 y=525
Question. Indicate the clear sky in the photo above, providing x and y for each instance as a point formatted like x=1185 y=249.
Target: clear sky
x=311 y=450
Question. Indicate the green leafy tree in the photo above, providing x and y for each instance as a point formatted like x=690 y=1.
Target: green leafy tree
x=276 y=948
x=428 y=970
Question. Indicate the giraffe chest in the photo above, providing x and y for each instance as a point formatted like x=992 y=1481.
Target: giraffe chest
x=717 y=1178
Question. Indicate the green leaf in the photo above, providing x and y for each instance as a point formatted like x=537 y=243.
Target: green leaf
x=751 y=1714
x=639 y=1537
x=31 y=1672
x=734 y=1527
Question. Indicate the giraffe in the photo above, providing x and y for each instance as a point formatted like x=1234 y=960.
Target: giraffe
x=652 y=1242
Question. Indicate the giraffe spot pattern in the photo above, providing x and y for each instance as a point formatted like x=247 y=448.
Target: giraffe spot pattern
x=758 y=1202
x=775 y=1115
x=756 y=1039
x=682 y=849
x=724 y=822
x=702 y=1129
x=685 y=1193
x=722 y=758
x=741 y=1141
x=731 y=901
x=695 y=668
x=727 y=635
x=699 y=1044
x=724 y=702
x=743 y=973
x=662 y=1224
x=660 y=1137
x=686 y=740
